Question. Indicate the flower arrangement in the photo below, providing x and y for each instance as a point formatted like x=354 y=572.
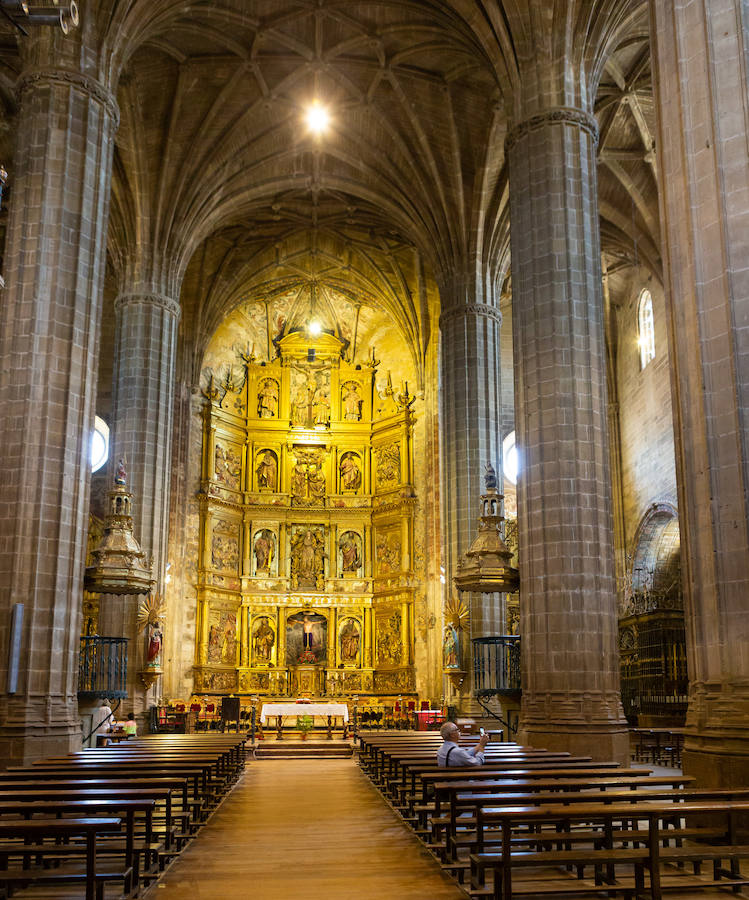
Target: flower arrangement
x=308 y=656
x=304 y=724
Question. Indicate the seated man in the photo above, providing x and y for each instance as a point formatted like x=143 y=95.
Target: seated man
x=450 y=754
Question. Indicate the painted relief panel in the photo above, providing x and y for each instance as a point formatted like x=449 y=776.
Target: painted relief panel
x=389 y=639
x=349 y=641
x=227 y=464
x=388 y=551
x=225 y=546
x=264 y=551
x=306 y=639
x=350 y=470
x=266 y=470
x=310 y=396
x=388 y=466
x=350 y=553
x=308 y=557
x=222 y=637
x=263 y=641
x=308 y=483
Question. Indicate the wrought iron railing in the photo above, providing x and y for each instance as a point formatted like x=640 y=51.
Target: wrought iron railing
x=496 y=665
x=102 y=667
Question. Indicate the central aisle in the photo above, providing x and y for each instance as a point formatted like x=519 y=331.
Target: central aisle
x=305 y=828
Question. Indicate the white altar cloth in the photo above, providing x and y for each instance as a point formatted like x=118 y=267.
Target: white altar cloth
x=304 y=709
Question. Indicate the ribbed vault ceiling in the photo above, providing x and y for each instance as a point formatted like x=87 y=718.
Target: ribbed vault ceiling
x=219 y=190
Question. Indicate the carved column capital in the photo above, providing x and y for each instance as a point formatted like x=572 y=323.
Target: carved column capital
x=87 y=85
x=471 y=309
x=168 y=304
x=561 y=115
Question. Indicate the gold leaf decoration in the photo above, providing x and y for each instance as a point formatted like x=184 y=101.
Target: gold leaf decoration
x=456 y=612
x=150 y=612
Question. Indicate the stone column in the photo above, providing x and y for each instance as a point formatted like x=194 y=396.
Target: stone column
x=49 y=333
x=143 y=404
x=470 y=434
x=570 y=666
x=702 y=92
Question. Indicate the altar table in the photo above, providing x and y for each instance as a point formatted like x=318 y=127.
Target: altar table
x=328 y=710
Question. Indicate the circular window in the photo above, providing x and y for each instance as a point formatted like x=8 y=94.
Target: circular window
x=510 y=458
x=99 y=444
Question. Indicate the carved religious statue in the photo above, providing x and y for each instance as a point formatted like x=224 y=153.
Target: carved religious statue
x=267 y=471
x=264 y=550
x=263 y=639
x=490 y=478
x=349 y=547
x=450 y=648
x=267 y=399
x=307 y=560
x=350 y=640
x=352 y=402
x=350 y=472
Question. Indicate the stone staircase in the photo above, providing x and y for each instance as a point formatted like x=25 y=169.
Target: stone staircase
x=292 y=747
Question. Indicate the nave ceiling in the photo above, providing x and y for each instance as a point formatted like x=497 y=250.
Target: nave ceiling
x=219 y=192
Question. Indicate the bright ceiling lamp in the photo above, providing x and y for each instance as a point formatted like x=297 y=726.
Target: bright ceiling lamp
x=314 y=328
x=318 y=117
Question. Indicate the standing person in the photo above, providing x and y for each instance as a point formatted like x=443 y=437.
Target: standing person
x=450 y=754
x=103 y=721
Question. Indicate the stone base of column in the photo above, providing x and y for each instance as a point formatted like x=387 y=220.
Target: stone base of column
x=600 y=742
x=22 y=746
x=717 y=760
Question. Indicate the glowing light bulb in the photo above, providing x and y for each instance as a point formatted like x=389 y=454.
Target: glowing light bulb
x=314 y=328
x=318 y=117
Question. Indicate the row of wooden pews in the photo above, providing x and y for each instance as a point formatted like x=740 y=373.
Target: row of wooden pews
x=110 y=819
x=571 y=826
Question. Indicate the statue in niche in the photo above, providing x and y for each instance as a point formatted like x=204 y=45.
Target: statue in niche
x=306 y=638
x=450 y=648
x=350 y=640
x=349 y=547
x=308 y=560
x=351 y=402
x=263 y=640
x=264 y=550
x=267 y=471
x=267 y=399
x=350 y=472
x=321 y=407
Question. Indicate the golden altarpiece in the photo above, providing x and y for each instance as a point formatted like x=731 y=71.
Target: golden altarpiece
x=305 y=582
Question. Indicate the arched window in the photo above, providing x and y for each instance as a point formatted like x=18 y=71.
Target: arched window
x=510 y=458
x=99 y=444
x=645 y=328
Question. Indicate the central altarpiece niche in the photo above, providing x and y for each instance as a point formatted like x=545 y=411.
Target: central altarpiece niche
x=305 y=582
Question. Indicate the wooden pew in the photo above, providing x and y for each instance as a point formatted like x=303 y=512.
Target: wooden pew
x=37 y=830
x=606 y=855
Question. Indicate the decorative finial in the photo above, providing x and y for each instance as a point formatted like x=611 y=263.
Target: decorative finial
x=490 y=478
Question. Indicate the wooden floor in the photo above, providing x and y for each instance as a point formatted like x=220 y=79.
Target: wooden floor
x=305 y=828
